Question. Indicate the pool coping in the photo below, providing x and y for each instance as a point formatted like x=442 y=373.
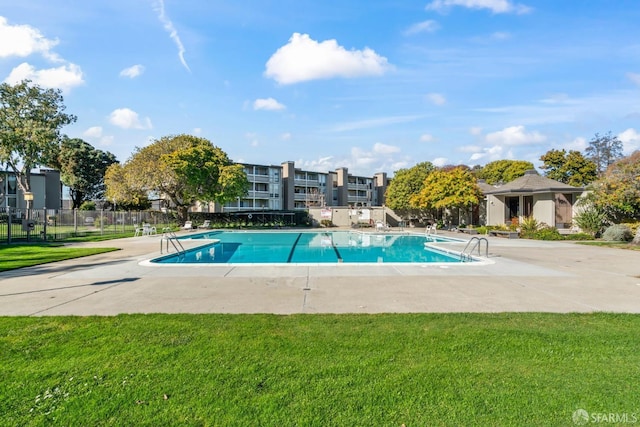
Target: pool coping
x=525 y=276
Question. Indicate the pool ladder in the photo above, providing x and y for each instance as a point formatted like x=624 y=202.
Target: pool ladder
x=473 y=244
x=169 y=235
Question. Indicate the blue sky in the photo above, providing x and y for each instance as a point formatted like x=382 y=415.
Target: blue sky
x=372 y=85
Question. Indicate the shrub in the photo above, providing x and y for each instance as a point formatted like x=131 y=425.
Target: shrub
x=326 y=223
x=88 y=206
x=482 y=229
x=547 y=233
x=579 y=236
x=618 y=233
x=529 y=227
x=591 y=220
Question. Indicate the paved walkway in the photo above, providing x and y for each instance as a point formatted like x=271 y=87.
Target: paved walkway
x=520 y=275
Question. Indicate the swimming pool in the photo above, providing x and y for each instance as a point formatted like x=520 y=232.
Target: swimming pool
x=288 y=247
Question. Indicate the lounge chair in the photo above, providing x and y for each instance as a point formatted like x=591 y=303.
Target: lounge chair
x=188 y=225
x=205 y=225
x=381 y=226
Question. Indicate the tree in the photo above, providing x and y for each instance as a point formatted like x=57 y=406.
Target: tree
x=604 y=150
x=30 y=123
x=570 y=168
x=455 y=188
x=82 y=169
x=617 y=192
x=405 y=184
x=117 y=188
x=503 y=171
x=180 y=169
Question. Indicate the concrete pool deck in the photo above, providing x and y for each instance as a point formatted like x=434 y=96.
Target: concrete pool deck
x=521 y=276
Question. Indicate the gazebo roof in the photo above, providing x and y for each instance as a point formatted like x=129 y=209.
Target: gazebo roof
x=532 y=182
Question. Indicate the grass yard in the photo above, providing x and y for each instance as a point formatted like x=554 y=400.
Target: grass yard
x=318 y=370
x=18 y=256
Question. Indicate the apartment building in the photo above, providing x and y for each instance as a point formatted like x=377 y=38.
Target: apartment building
x=286 y=187
x=46 y=190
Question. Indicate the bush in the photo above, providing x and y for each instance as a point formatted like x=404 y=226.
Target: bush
x=618 y=233
x=579 y=236
x=326 y=223
x=547 y=233
x=591 y=220
x=529 y=227
x=88 y=206
x=482 y=229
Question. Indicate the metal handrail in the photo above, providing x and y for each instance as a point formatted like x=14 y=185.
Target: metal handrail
x=477 y=243
x=169 y=235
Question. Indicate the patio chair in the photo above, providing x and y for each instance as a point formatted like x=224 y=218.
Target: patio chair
x=188 y=225
x=148 y=229
x=205 y=225
x=381 y=226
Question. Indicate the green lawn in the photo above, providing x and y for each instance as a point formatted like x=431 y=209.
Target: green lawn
x=318 y=370
x=18 y=256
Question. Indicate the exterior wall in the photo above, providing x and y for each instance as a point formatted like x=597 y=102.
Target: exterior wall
x=496 y=210
x=544 y=208
x=288 y=181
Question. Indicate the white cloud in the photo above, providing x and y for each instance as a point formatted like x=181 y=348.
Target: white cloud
x=429 y=26
x=634 y=77
x=427 y=138
x=379 y=148
x=475 y=130
x=268 y=104
x=158 y=6
x=64 y=77
x=436 y=98
x=304 y=59
x=93 y=132
x=578 y=144
x=439 y=161
x=126 y=118
x=285 y=136
x=23 y=41
x=489 y=154
x=132 y=72
x=496 y=6
x=514 y=135
x=197 y=131
x=630 y=139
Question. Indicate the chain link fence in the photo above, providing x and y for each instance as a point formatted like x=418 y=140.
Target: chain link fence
x=38 y=225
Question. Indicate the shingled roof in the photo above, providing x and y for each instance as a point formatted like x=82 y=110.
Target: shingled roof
x=532 y=182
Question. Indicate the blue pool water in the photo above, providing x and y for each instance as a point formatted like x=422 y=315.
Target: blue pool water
x=244 y=247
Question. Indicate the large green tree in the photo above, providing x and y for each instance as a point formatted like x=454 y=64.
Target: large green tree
x=405 y=184
x=570 y=168
x=503 y=171
x=181 y=169
x=603 y=150
x=617 y=192
x=82 y=169
x=453 y=188
x=30 y=122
